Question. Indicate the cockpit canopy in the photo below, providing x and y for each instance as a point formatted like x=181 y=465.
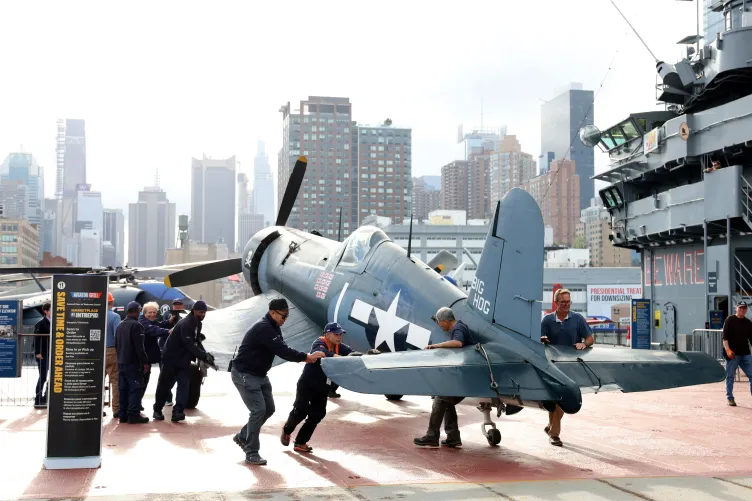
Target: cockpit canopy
x=359 y=243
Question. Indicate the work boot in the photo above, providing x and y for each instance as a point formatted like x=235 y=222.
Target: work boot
x=333 y=394
x=732 y=402
x=177 y=417
x=158 y=416
x=426 y=441
x=453 y=443
x=241 y=443
x=255 y=459
x=303 y=448
x=138 y=419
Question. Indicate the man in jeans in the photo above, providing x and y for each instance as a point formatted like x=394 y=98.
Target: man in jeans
x=737 y=333
x=249 y=368
x=111 y=363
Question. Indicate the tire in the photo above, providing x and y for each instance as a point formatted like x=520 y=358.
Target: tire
x=194 y=386
x=393 y=397
x=493 y=436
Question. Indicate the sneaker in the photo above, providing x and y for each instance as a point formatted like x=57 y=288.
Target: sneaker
x=555 y=441
x=303 y=448
x=139 y=419
x=451 y=443
x=241 y=443
x=255 y=459
x=426 y=442
x=168 y=403
x=123 y=419
x=284 y=438
x=158 y=416
x=177 y=417
x=546 y=429
x=334 y=394
x=732 y=402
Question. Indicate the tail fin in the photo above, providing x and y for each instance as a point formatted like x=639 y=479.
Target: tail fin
x=509 y=280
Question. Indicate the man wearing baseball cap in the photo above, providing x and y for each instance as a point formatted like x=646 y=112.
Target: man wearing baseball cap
x=249 y=368
x=111 y=363
x=180 y=349
x=132 y=364
x=737 y=334
x=313 y=389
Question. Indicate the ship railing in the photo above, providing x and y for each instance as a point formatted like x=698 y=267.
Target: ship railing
x=742 y=278
x=746 y=199
x=709 y=341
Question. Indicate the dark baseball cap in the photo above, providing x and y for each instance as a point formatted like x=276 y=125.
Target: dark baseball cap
x=741 y=304
x=334 y=328
x=133 y=306
x=279 y=303
x=199 y=306
x=177 y=301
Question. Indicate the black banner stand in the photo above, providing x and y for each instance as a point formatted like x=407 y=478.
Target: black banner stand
x=76 y=372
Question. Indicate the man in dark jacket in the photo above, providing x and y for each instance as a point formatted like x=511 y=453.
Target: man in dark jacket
x=180 y=349
x=153 y=330
x=313 y=389
x=249 y=368
x=169 y=320
x=42 y=353
x=132 y=364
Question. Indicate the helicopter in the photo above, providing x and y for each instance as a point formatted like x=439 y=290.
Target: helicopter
x=385 y=299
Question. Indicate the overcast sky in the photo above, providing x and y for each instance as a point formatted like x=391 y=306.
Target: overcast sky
x=159 y=82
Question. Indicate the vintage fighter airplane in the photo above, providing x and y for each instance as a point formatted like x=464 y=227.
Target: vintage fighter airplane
x=385 y=298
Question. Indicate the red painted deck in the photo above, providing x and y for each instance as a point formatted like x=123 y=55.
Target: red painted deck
x=367 y=440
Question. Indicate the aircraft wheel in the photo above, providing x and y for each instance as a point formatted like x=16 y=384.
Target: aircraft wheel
x=493 y=436
x=393 y=397
x=194 y=386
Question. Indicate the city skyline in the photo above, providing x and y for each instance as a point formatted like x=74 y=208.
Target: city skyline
x=179 y=113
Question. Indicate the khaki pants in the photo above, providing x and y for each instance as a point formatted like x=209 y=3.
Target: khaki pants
x=111 y=369
x=554 y=422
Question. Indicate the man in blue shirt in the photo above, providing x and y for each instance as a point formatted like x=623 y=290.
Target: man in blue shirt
x=111 y=363
x=444 y=407
x=313 y=389
x=565 y=328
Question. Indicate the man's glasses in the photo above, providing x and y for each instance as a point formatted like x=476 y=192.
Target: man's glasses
x=283 y=315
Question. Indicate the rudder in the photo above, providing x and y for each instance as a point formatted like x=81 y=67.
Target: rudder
x=509 y=280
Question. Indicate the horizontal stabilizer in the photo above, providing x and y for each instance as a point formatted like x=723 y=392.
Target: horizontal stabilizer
x=225 y=328
x=442 y=372
x=605 y=368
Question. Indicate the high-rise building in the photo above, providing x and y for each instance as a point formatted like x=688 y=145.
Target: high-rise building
x=561 y=120
x=74 y=156
x=89 y=223
x=426 y=198
x=454 y=185
x=23 y=167
x=113 y=232
x=558 y=193
x=248 y=225
x=478 y=141
x=510 y=168
x=151 y=227
x=322 y=129
x=14 y=198
x=48 y=229
x=595 y=230
x=384 y=171
x=19 y=243
x=263 y=187
x=243 y=194
x=213 y=201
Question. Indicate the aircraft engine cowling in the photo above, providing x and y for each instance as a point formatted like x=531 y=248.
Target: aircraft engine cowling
x=252 y=254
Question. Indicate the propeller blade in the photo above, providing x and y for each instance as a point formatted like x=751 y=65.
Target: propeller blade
x=205 y=273
x=291 y=193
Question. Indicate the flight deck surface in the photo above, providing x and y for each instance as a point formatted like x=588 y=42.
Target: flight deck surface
x=674 y=444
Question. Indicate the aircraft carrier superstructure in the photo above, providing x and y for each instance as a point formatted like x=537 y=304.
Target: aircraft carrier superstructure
x=680 y=182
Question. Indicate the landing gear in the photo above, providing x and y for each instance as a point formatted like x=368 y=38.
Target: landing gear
x=493 y=435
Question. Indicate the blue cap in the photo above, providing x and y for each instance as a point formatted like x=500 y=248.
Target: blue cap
x=199 y=306
x=334 y=327
x=133 y=306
